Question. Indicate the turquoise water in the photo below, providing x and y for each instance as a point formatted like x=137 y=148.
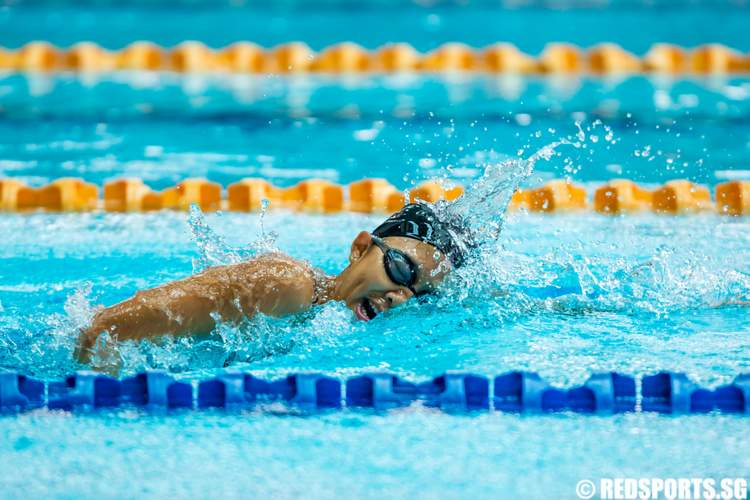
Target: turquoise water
x=399 y=455
x=651 y=295
x=528 y=24
x=648 y=293
x=564 y=296
x=164 y=128
x=651 y=291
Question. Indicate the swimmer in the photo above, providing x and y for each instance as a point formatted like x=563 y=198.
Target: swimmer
x=406 y=256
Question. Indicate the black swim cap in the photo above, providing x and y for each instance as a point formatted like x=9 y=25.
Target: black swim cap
x=418 y=221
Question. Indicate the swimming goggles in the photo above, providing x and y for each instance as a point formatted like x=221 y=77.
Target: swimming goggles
x=399 y=267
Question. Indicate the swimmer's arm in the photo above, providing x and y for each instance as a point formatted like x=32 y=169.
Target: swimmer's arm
x=731 y=303
x=189 y=306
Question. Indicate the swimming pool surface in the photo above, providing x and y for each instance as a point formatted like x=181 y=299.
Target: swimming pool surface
x=530 y=24
x=651 y=295
x=163 y=128
x=561 y=295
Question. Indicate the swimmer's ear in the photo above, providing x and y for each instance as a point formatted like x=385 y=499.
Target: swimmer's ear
x=360 y=245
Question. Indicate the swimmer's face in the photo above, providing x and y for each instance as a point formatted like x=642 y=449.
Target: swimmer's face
x=365 y=286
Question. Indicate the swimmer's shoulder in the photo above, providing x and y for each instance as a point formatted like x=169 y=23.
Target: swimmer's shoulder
x=286 y=284
x=272 y=269
x=279 y=261
x=279 y=269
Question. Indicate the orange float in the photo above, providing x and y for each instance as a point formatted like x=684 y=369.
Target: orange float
x=9 y=193
x=124 y=195
x=733 y=198
x=8 y=59
x=519 y=200
x=87 y=56
x=450 y=57
x=317 y=195
x=396 y=57
x=38 y=56
x=395 y=201
x=560 y=58
x=557 y=196
x=205 y=194
x=141 y=56
x=370 y=195
x=151 y=201
x=333 y=199
x=67 y=195
x=611 y=58
x=293 y=57
x=248 y=194
x=506 y=58
x=27 y=198
x=665 y=58
x=681 y=196
x=434 y=190
x=192 y=56
x=342 y=58
x=715 y=58
x=622 y=196
x=242 y=57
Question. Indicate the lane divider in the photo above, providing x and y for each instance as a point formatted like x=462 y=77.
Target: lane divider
x=516 y=392
x=348 y=57
x=619 y=196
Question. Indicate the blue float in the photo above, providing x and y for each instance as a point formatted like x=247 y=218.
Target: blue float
x=525 y=391
x=84 y=390
x=668 y=392
x=734 y=398
x=379 y=390
x=301 y=389
x=315 y=390
x=235 y=389
x=156 y=389
x=224 y=391
x=18 y=392
x=460 y=391
x=603 y=393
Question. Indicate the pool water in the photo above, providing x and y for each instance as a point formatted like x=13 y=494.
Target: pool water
x=399 y=455
x=162 y=127
x=530 y=24
x=653 y=296
x=561 y=295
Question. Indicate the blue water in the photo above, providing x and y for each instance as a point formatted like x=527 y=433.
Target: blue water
x=564 y=296
x=164 y=128
x=529 y=25
x=399 y=455
x=651 y=295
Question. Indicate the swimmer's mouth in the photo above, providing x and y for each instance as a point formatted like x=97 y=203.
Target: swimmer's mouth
x=364 y=310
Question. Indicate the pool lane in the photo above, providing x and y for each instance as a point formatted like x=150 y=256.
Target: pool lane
x=631 y=25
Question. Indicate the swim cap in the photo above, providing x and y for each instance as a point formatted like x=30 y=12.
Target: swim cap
x=418 y=221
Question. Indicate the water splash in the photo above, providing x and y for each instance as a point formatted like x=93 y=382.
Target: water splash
x=43 y=345
x=482 y=208
x=266 y=243
x=213 y=250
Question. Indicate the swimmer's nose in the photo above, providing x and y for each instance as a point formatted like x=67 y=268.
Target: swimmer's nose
x=396 y=297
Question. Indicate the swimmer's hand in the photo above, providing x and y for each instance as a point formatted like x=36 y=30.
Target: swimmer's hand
x=273 y=284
